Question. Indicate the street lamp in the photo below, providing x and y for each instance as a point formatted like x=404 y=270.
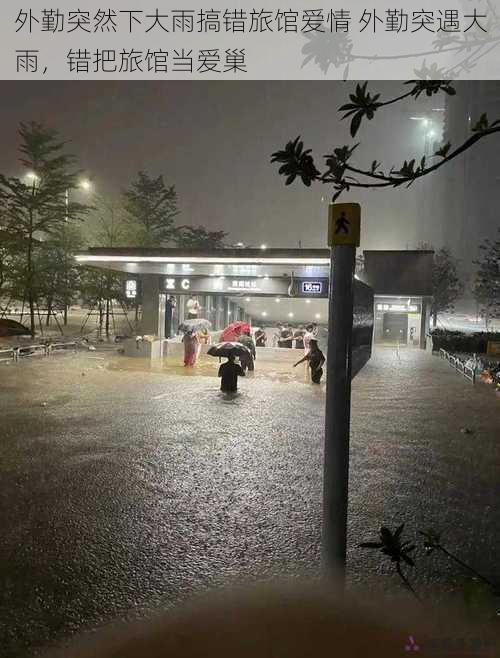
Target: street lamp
x=85 y=185
x=32 y=177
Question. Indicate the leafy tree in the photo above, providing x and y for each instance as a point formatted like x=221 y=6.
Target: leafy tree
x=100 y=288
x=338 y=170
x=37 y=210
x=58 y=273
x=447 y=286
x=151 y=208
x=487 y=285
x=199 y=238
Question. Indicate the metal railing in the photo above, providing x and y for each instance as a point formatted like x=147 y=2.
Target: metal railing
x=459 y=365
x=7 y=355
x=19 y=352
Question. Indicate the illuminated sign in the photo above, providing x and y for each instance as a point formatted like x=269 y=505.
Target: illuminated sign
x=243 y=284
x=131 y=289
x=312 y=287
x=397 y=307
x=171 y=284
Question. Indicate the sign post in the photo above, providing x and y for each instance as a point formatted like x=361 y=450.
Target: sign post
x=343 y=238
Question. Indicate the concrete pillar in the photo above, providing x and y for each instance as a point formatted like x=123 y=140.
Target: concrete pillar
x=227 y=309
x=150 y=323
x=219 y=312
x=424 y=322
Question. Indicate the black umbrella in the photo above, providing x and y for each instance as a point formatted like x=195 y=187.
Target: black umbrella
x=228 y=349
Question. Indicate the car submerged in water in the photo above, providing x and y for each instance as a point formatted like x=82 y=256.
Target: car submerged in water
x=11 y=328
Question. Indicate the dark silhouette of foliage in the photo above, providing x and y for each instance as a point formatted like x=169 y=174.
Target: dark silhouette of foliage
x=151 y=207
x=487 y=285
x=295 y=162
x=35 y=210
x=193 y=237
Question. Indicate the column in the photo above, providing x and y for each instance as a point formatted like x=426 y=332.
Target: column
x=151 y=305
x=424 y=322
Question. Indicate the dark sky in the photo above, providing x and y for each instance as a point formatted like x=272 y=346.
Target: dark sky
x=213 y=140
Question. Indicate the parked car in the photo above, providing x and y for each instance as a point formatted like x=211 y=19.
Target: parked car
x=12 y=328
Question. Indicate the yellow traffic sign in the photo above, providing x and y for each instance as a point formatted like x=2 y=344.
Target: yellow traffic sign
x=344 y=220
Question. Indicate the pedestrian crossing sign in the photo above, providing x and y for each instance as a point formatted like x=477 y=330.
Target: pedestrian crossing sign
x=344 y=220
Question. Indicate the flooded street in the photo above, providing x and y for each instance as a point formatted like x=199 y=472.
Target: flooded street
x=125 y=490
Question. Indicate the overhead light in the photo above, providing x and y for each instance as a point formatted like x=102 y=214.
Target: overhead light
x=308 y=301
x=317 y=316
x=247 y=299
x=263 y=246
x=264 y=313
x=277 y=300
x=88 y=258
x=431 y=134
x=266 y=277
x=290 y=315
x=86 y=185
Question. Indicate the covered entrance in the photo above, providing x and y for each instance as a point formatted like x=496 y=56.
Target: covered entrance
x=395 y=327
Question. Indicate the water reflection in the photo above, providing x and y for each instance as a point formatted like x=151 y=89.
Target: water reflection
x=208 y=367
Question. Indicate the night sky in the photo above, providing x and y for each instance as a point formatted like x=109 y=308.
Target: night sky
x=213 y=140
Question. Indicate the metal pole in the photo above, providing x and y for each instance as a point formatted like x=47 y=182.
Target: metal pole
x=338 y=408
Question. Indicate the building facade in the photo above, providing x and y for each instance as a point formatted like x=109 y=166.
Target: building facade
x=265 y=287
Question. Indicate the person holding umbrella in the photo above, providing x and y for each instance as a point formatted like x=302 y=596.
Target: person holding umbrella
x=229 y=373
x=247 y=360
x=190 y=340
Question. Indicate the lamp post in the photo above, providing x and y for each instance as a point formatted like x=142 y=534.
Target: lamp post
x=86 y=185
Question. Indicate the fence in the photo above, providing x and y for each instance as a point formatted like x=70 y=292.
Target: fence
x=459 y=365
x=13 y=354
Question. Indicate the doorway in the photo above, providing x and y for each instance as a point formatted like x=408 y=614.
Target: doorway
x=395 y=328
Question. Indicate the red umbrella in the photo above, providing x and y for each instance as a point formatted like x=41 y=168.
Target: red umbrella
x=234 y=330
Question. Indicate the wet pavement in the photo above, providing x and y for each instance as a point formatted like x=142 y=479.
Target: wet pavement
x=124 y=490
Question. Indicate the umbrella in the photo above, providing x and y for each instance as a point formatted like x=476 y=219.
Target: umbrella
x=228 y=349
x=12 y=328
x=234 y=329
x=198 y=323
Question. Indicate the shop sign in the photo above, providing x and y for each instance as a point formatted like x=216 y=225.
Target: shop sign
x=401 y=308
x=312 y=287
x=177 y=284
x=243 y=284
x=131 y=288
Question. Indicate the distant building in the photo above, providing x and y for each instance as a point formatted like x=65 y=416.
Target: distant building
x=470 y=184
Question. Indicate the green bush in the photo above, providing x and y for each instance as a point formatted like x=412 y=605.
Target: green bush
x=457 y=341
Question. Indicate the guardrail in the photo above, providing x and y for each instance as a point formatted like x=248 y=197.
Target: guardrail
x=459 y=365
x=7 y=355
x=13 y=354
x=61 y=347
